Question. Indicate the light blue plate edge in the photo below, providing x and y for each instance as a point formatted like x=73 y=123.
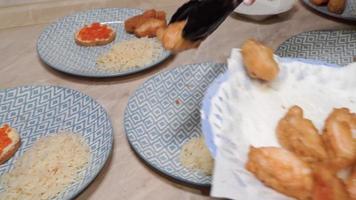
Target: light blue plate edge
x=213 y=90
x=89 y=75
x=87 y=184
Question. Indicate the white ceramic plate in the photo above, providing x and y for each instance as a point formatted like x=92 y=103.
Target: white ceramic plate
x=262 y=9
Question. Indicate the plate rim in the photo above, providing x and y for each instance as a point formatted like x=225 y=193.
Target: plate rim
x=276 y=12
x=84 y=186
x=91 y=75
x=146 y=162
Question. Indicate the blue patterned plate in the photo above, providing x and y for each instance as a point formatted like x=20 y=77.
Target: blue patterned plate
x=331 y=46
x=164 y=113
x=57 y=48
x=37 y=111
x=348 y=14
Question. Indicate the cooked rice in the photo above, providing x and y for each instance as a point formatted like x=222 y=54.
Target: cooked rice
x=195 y=155
x=47 y=168
x=130 y=54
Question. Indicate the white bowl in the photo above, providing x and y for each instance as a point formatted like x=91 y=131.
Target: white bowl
x=262 y=9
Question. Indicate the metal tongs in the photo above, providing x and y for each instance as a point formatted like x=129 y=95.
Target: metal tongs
x=203 y=16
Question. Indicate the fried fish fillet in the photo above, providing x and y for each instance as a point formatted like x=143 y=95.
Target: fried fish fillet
x=351 y=184
x=172 y=38
x=259 y=61
x=146 y=24
x=337 y=136
x=337 y=6
x=150 y=27
x=281 y=170
x=299 y=135
x=327 y=186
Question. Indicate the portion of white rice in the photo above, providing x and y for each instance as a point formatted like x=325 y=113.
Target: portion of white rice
x=47 y=168
x=196 y=156
x=130 y=54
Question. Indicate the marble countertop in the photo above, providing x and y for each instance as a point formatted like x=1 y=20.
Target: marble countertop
x=125 y=176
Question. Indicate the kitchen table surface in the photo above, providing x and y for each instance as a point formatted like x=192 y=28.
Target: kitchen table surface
x=124 y=175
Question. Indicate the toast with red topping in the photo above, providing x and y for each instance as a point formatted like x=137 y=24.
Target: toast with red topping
x=95 y=34
x=9 y=142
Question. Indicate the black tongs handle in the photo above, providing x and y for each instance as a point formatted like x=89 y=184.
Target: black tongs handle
x=203 y=16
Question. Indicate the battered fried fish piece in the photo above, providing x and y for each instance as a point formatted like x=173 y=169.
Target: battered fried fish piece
x=327 y=186
x=259 y=61
x=337 y=6
x=344 y=114
x=160 y=15
x=337 y=136
x=299 y=135
x=135 y=22
x=281 y=170
x=172 y=38
x=150 y=27
x=351 y=184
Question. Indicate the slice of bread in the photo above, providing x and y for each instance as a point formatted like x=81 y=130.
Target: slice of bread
x=10 y=149
x=80 y=39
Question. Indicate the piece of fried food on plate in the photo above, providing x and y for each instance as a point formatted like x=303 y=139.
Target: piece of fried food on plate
x=299 y=135
x=172 y=39
x=259 y=60
x=281 y=170
x=351 y=184
x=327 y=186
x=337 y=136
x=150 y=27
x=336 y=6
x=146 y=24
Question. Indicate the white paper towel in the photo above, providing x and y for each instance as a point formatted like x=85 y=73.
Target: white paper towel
x=250 y=117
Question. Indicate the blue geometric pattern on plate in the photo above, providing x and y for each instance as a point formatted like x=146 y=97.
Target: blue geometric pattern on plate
x=164 y=113
x=348 y=14
x=213 y=90
x=37 y=111
x=57 y=48
x=332 y=46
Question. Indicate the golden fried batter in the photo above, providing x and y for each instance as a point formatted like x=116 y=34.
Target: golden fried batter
x=150 y=27
x=281 y=170
x=327 y=186
x=160 y=15
x=172 y=38
x=337 y=136
x=351 y=184
x=344 y=114
x=337 y=6
x=259 y=61
x=300 y=136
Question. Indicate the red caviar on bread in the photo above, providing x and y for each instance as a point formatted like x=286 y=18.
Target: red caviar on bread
x=95 y=34
x=9 y=142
